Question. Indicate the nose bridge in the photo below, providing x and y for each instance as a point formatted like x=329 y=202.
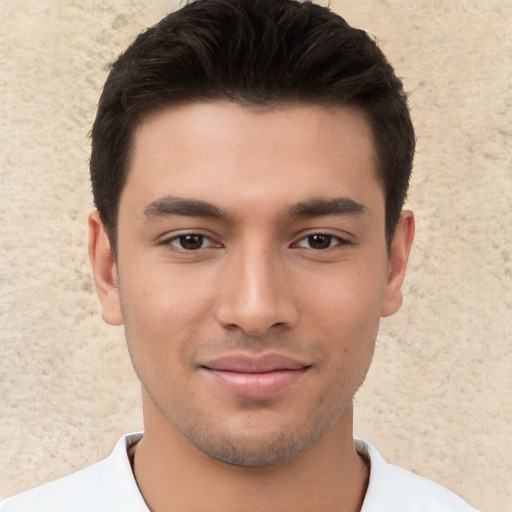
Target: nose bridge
x=254 y=296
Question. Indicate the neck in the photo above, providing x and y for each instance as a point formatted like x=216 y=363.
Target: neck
x=172 y=474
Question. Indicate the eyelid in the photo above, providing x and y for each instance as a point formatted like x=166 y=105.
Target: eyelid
x=168 y=239
x=342 y=240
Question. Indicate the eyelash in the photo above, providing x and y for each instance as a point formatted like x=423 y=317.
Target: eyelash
x=181 y=238
x=330 y=238
x=212 y=244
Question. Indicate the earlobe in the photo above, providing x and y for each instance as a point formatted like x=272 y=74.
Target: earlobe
x=105 y=270
x=398 y=258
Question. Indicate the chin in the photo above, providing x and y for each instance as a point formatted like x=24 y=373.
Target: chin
x=257 y=449
x=250 y=454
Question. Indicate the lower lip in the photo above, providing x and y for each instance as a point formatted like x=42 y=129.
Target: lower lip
x=255 y=385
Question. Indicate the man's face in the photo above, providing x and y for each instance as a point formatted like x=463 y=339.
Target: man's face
x=252 y=273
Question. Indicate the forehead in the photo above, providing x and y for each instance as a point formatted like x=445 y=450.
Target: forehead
x=224 y=152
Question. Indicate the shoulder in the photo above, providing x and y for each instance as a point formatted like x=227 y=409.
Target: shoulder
x=394 y=489
x=108 y=485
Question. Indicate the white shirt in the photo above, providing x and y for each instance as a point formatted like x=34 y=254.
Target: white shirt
x=109 y=486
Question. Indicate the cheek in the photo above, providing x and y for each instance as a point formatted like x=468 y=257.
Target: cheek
x=162 y=312
x=346 y=299
x=163 y=292
x=344 y=316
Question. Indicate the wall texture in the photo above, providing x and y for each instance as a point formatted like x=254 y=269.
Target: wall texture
x=437 y=399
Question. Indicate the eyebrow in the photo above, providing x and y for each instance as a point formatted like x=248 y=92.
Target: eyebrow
x=170 y=205
x=322 y=207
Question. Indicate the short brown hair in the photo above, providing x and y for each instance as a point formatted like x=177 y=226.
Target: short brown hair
x=257 y=52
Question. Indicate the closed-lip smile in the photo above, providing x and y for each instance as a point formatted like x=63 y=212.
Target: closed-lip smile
x=254 y=376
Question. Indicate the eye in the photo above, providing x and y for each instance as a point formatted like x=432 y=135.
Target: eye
x=320 y=241
x=190 y=242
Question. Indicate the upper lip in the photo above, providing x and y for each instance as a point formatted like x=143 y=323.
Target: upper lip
x=245 y=363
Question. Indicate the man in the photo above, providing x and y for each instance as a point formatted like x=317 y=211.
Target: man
x=250 y=160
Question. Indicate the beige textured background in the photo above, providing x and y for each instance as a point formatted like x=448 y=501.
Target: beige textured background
x=438 y=398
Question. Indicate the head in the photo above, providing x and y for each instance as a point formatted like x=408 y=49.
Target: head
x=250 y=160
x=252 y=52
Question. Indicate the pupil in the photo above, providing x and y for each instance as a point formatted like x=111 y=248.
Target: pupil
x=191 y=242
x=319 y=241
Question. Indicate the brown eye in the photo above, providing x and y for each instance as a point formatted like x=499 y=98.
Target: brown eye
x=319 y=241
x=191 y=242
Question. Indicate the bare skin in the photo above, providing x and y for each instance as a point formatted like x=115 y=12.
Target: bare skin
x=251 y=277
x=321 y=479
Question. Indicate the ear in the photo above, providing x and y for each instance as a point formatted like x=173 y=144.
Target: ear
x=105 y=271
x=398 y=258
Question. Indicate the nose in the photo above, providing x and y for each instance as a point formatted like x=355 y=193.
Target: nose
x=255 y=294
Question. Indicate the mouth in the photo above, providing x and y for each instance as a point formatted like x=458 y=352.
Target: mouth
x=255 y=377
